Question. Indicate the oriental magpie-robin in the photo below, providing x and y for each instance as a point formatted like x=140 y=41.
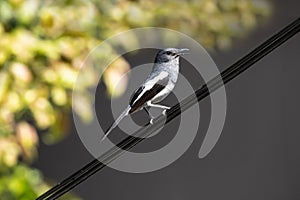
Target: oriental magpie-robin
x=157 y=86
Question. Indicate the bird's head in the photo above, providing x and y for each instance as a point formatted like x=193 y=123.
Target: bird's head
x=169 y=54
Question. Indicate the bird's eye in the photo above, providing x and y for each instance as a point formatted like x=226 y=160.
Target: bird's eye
x=169 y=53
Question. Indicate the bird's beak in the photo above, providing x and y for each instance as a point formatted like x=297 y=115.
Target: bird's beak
x=182 y=51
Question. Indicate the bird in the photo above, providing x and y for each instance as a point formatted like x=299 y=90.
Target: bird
x=158 y=85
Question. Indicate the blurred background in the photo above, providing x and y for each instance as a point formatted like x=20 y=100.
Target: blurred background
x=43 y=44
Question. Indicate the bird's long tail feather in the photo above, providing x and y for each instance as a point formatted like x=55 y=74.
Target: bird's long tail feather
x=117 y=121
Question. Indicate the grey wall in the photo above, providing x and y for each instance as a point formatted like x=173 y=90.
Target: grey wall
x=257 y=156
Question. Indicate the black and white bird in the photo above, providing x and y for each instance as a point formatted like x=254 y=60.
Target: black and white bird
x=157 y=86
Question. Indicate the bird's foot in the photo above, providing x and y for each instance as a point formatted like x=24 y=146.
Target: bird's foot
x=151 y=121
x=164 y=112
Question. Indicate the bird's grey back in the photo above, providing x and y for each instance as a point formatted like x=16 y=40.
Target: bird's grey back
x=171 y=67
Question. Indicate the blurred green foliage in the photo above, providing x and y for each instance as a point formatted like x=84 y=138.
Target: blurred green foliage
x=43 y=45
x=23 y=183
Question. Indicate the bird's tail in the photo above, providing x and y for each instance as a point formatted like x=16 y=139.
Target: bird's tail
x=117 y=121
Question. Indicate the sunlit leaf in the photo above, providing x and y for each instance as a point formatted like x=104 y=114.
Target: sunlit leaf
x=59 y=96
x=115 y=78
x=82 y=106
x=4 y=84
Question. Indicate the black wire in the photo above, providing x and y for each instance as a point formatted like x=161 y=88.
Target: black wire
x=137 y=137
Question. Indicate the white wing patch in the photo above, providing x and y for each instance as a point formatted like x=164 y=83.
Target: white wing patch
x=148 y=85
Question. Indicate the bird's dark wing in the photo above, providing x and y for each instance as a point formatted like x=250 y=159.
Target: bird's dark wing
x=149 y=90
x=135 y=95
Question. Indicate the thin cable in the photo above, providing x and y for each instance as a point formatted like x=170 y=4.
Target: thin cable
x=137 y=137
